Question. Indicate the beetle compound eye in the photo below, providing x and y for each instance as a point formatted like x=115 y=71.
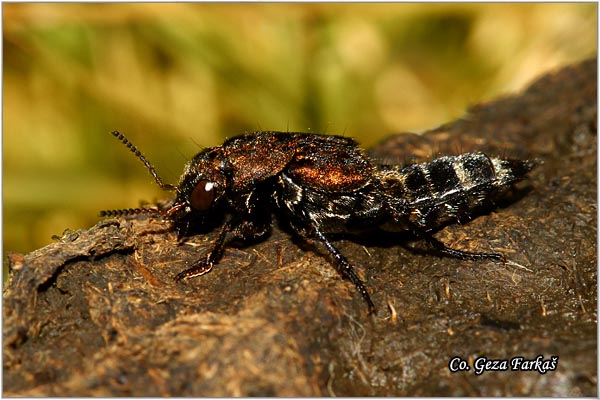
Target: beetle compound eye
x=203 y=195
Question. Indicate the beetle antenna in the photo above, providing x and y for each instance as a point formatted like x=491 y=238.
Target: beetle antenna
x=149 y=167
x=131 y=211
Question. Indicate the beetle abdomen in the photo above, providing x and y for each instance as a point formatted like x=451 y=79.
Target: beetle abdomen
x=449 y=187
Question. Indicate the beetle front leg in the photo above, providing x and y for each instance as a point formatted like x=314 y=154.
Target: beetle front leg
x=214 y=254
x=244 y=230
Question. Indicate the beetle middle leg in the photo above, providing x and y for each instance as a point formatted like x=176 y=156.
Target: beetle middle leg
x=345 y=269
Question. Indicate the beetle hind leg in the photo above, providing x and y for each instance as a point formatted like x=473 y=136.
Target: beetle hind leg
x=460 y=254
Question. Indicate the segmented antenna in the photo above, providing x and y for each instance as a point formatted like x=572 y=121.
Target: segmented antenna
x=149 y=167
x=130 y=211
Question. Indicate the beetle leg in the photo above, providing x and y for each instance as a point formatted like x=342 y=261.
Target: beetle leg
x=214 y=254
x=345 y=269
x=182 y=230
x=245 y=230
x=442 y=248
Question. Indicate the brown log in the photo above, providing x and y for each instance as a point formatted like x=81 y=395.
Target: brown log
x=99 y=314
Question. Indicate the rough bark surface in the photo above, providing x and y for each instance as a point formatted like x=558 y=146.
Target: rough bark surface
x=99 y=314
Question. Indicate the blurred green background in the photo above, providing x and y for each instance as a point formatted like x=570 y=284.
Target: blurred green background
x=174 y=77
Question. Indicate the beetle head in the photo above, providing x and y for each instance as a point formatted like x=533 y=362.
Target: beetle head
x=199 y=191
x=202 y=185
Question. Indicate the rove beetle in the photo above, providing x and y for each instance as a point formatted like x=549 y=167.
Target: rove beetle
x=322 y=185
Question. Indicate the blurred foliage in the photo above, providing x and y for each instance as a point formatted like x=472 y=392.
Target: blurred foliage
x=175 y=77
